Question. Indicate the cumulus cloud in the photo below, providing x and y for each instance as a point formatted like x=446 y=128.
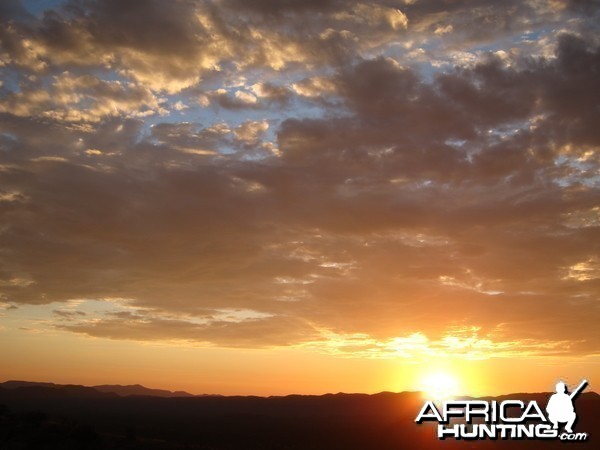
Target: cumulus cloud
x=250 y=132
x=82 y=98
x=296 y=162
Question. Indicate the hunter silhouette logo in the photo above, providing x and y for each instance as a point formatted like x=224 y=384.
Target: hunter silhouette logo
x=508 y=419
x=560 y=406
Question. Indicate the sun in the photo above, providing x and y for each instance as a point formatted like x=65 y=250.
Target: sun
x=439 y=385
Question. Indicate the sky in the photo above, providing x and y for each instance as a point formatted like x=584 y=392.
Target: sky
x=313 y=196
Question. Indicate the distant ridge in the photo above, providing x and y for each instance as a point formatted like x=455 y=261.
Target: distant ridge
x=122 y=391
x=138 y=389
x=14 y=384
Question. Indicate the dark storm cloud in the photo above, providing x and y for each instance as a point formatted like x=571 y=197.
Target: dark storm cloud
x=346 y=189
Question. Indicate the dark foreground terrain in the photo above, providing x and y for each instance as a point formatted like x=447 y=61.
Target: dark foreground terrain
x=34 y=416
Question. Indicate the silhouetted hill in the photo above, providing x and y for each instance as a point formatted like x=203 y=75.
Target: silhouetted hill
x=26 y=389
x=59 y=418
x=138 y=389
x=135 y=389
x=12 y=384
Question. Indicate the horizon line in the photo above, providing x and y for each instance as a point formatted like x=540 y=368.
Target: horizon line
x=277 y=395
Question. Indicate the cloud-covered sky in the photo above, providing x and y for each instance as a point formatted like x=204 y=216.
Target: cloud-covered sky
x=388 y=179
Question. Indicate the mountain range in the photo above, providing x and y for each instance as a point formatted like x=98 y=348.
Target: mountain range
x=94 y=391
x=52 y=416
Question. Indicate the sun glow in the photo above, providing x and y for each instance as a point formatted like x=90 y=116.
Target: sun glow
x=439 y=385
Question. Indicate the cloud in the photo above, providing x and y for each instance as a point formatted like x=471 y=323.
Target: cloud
x=272 y=93
x=173 y=47
x=298 y=160
x=82 y=98
x=314 y=87
x=462 y=343
x=68 y=315
x=250 y=332
x=236 y=100
x=250 y=132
